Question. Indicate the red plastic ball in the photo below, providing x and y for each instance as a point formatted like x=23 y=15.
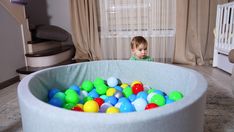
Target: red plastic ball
x=151 y=106
x=77 y=108
x=100 y=101
x=136 y=88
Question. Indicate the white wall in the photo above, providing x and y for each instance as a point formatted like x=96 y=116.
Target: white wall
x=54 y=12
x=59 y=13
x=11 y=46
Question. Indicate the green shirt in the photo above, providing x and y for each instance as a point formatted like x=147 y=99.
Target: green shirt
x=146 y=58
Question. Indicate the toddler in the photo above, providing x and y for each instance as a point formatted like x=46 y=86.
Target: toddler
x=139 y=49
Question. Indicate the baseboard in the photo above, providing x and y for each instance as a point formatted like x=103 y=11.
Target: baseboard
x=9 y=82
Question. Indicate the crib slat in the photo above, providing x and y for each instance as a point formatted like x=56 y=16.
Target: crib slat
x=230 y=36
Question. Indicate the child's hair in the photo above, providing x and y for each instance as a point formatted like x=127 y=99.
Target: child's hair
x=137 y=40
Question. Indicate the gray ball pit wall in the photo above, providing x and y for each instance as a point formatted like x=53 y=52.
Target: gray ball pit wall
x=186 y=115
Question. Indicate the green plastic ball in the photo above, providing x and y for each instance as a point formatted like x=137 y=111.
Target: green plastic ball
x=70 y=91
x=127 y=91
x=175 y=95
x=98 y=81
x=158 y=99
x=69 y=106
x=87 y=85
x=87 y=98
x=150 y=91
x=60 y=95
x=101 y=89
x=72 y=98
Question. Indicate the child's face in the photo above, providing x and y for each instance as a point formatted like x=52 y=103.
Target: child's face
x=140 y=51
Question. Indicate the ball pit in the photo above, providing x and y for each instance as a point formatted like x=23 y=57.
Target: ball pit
x=184 y=115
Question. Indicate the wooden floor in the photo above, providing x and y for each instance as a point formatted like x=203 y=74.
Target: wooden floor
x=217 y=117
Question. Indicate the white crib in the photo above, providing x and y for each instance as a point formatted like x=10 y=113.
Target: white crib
x=224 y=36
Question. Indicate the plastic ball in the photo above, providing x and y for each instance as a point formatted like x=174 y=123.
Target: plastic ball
x=126 y=107
x=69 y=106
x=110 y=91
x=118 y=94
x=175 y=95
x=150 y=91
x=143 y=95
x=80 y=105
x=139 y=104
x=150 y=96
x=169 y=101
x=98 y=81
x=159 y=92
x=151 y=106
x=72 y=98
x=112 y=100
x=93 y=94
x=112 y=110
x=117 y=105
x=124 y=85
x=127 y=91
x=87 y=98
x=91 y=106
x=124 y=99
x=56 y=102
x=112 y=81
x=101 y=89
x=103 y=97
x=52 y=92
x=104 y=107
x=77 y=108
x=135 y=82
x=70 y=91
x=118 y=88
x=136 y=88
x=87 y=85
x=158 y=99
x=76 y=88
x=60 y=95
x=100 y=101
x=132 y=97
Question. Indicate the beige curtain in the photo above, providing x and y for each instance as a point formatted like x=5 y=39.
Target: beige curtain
x=85 y=29
x=194 y=35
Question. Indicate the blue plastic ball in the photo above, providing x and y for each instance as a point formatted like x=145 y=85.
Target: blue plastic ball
x=124 y=99
x=93 y=94
x=56 y=102
x=126 y=107
x=143 y=95
x=132 y=97
x=159 y=92
x=118 y=88
x=112 y=82
x=140 y=104
x=169 y=101
x=52 y=92
x=76 y=88
x=112 y=100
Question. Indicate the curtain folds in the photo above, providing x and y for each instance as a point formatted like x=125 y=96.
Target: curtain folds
x=195 y=23
x=121 y=20
x=84 y=24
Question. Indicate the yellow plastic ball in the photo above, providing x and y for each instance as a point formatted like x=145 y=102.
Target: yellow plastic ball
x=91 y=106
x=110 y=91
x=135 y=82
x=124 y=85
x=112 y=110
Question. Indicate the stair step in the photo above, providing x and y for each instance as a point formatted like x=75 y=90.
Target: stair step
x=50 y=57
x=41 y=45
x=50 y=52
x=28 y=70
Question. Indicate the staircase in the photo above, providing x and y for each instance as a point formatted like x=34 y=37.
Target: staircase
x=50 y=46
